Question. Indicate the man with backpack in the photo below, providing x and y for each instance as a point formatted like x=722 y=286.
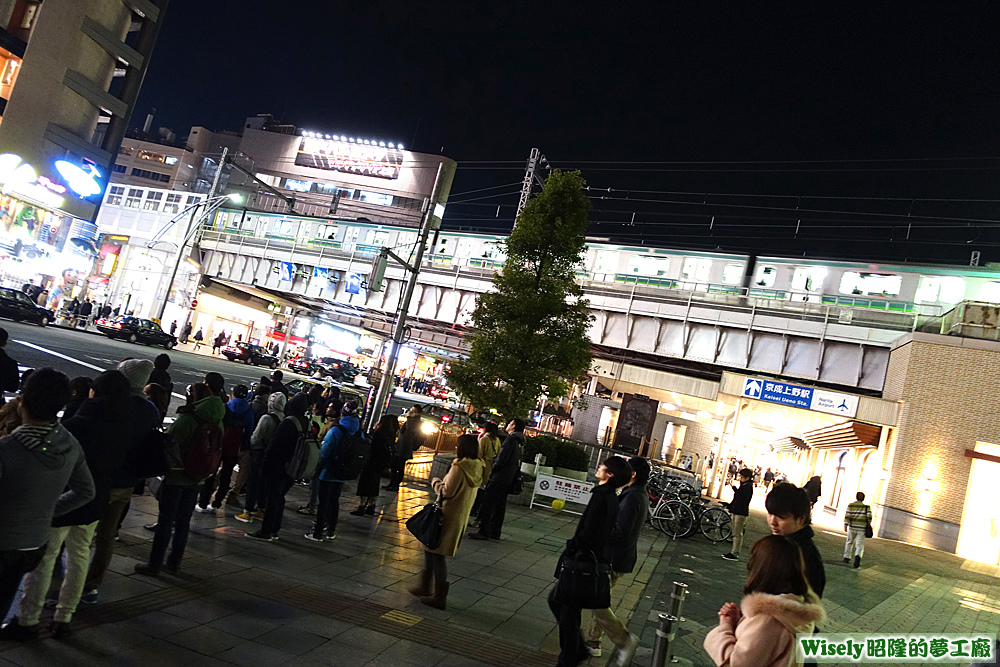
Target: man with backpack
x=293 y=435
x=237 y=426
x=341 y=459
x=259 y=441
x=197 y=443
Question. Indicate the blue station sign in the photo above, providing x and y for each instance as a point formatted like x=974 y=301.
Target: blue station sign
x=807 y=398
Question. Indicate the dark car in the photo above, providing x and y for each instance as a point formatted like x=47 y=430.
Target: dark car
x=338 y=369
x=17 y=305
x=250 y=354
x=135 y=330
x=346 y=393
x=300 y=365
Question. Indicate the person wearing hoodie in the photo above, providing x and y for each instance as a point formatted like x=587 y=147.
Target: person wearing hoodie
x=141 y=420
x=506 y=467
x=259 y=441
x=96 y=426
x=276 y=480
x=179 y=492
x=331 y=481
x=238 y=424
x=457 y=492
x=778 y=604
x=43 y=473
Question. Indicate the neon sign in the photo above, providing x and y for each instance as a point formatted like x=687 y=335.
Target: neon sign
x=20 y=178
x=83 y=182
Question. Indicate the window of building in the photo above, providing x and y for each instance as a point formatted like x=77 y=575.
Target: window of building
x=766 y=276
x=152 y=202
x=194 y=199
x=870 y=284
x=170 y=159
x=118 y=169
x=151 y=175
x=808 y=278
x=134 y=197
x=154 y=157
x=732 y=274
x=376 y=198
x=297 y=185
x=115 y=193
x=644 y=265
x=697 y=269
x=173 y=204
x=125 y=150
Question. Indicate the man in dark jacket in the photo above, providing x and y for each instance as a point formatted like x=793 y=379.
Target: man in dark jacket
x=633 y=510
x=593 y=536
x=274 y=477
x=94 y=426
x=331 y=481
x=410 y=438
x=238 y=424
x=160 y=375
x=788 y=514
x=506 y=467
x=43 y=474
x=9 y=374
x=740 y=509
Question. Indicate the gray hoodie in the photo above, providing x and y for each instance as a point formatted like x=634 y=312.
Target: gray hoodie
x=43 y=473
x=268 y=424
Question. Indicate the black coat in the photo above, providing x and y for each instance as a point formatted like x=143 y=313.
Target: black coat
x=741 y=499
x=410 y=438
x=596 y=526
x=507 y=462
x=633 y=510
x=815 y=572
x=282 y=446
x=9 y=375
x=377 y=461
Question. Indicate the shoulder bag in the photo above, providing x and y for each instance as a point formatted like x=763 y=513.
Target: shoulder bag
x=428 y=524
x=583 y=581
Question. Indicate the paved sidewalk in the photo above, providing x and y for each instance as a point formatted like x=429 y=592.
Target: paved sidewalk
x=344 y=602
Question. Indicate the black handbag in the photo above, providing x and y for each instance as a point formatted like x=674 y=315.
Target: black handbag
x=427 y=525
x=868 y=530
x=583 y=581
x=516 y=485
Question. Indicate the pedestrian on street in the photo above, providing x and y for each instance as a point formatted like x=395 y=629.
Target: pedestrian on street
x=410 y=438
x=813 y=489
x=117 y=310
x=198 y=338
x=506 y=468
x=383 y=439
x=9 y=374
x=489 y=447
x=334 y=469
x=457 y=493
x=159 y=397
x=277 y=384
x=633 y=508
x=592 y=539
x=198 y=425
x=106 y=310
x=218 y=342
x=95 y=425
x=43 y=298
x=259 y=443
x=185 y=332
x=173 y=327
x=237 y=426
x=788 y=513
x=275 y=478
x=86 y=308
x=856 y=521
x=778 y=604
x=739 y=508
x=768 y=478
x=79 y=387
x=159 y=375
x=331 y=418
x=43 y=473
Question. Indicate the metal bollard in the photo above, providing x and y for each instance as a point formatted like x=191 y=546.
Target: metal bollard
x=677 y=599
x=664 y=635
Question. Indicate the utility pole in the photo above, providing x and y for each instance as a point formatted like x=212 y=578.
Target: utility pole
x=534 y=159
x=431 y=220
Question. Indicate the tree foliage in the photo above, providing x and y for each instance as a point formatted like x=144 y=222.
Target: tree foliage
x=531 y=329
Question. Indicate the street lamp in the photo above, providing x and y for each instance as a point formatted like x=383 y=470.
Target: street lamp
x=211 y=205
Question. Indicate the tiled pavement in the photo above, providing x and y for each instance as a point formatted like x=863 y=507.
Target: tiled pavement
x=344 y=602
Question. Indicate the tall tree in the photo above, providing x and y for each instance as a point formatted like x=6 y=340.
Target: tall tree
x=531 y=329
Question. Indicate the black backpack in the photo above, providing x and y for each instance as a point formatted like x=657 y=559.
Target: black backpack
x=351 y=457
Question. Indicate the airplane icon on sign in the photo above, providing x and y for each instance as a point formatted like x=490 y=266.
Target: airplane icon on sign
x=843 y=405
x=752 y=388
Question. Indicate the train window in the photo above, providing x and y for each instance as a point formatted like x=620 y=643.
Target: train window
x=946 y=289
x=328 y=232
x=766 y=276
x=808 y=278
x=648 y=266
x=376 y=237
x=696 y=269
x=732 y=274
x=870 y=284
x=990 y=292
x=606 y=261
x=443 y=246
x=493 y=250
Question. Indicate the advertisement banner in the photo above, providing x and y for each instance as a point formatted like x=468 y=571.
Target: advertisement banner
x=349 y=158
x=635 y=421
x=570 y=490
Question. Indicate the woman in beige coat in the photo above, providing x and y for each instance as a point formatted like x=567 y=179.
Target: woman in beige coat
x=778 y=604
x=457 y=492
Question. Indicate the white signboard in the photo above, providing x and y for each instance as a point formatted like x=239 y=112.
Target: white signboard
x=834 y=403
x=570 y=490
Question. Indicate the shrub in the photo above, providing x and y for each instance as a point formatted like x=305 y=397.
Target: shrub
x=572 y=457
x=546 y=445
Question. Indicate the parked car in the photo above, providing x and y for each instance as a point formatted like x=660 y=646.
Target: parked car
x=346 y=393
x=300 y=365
x=16 y=305
x=250 y=354
x=339 y=369
x=135 y=330
x=437 y=417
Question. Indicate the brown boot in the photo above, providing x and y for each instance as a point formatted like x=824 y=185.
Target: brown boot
x=440 y=598
x=423 y=586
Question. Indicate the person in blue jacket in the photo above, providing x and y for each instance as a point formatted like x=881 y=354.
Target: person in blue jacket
x=329 y=486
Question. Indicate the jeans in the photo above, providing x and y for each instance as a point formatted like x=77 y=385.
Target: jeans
x=104 y=538
x=493 y=509
x=313 y=492
x=571 y=647
x=255 y=483
x=13 y=566
x=739 y=525
x=36 y=584
x=329 y=507
x=855 y=544
x=222 y=476
x=604 y=621
x=397 y=466
x=176 y=506
x=243 y=459
x=275 y=489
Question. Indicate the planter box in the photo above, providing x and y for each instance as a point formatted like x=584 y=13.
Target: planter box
x=529 y=469
x=570 y=474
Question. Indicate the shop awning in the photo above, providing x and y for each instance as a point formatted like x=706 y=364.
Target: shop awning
x=789 y=444
x=847 y=434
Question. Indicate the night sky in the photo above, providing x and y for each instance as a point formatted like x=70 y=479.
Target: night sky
x=874 y=135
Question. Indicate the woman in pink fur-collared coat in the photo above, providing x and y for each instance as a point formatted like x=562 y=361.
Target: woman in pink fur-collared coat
x=778 y=604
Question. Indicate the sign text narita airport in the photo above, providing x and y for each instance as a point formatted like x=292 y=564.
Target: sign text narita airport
x=807 y=398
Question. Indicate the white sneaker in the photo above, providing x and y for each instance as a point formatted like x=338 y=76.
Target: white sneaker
x=623 y=655
x=594 y=649
x=204 y=510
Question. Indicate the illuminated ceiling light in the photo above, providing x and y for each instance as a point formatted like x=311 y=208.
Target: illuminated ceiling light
x=343 y=138
x=351 y=139
x=400 y=147
x=382 y=144
x=367 y=142
x=392 y=145
x=328 y=136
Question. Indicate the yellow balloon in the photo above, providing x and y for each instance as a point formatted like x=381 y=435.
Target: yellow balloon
x=558 y=504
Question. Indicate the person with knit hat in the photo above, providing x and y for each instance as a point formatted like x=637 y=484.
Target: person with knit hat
x=137 y=371
x=259 y=442
x=331 y=477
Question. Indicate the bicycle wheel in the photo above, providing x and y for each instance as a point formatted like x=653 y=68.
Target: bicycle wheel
x=673 y=518
x=716 y=524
